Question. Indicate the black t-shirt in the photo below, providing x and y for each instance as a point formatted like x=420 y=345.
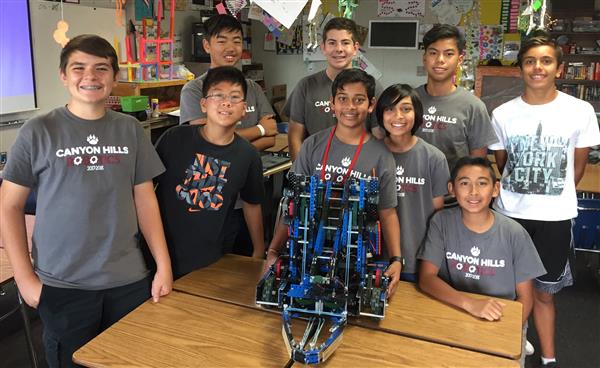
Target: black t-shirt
x=199 y=189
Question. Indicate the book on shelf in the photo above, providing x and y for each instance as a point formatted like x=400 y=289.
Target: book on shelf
x=580 y=70
x=581 y=91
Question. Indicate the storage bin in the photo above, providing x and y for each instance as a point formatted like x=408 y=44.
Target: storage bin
x=134 y=103
x=586 y=231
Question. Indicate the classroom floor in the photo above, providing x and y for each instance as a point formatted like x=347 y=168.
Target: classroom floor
x=578 y=324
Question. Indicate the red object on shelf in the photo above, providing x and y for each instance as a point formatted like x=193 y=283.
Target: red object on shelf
x=157 y=42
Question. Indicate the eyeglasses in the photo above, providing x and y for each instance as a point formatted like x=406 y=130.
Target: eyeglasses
x=219 y=98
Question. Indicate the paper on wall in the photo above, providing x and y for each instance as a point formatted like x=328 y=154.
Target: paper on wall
x=269 y=42
x=363 y=63
x=287 y=36
x=463 y=5
x=401 y=8
x=446 y=12
x=285 y=12
x=255 y=12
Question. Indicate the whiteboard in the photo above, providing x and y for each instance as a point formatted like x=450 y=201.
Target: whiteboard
x=46 y=52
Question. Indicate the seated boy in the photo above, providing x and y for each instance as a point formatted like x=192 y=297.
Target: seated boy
x=93 y=168
x=207 y=166
x=347 y=150
x=473 y=248
x=223 y=42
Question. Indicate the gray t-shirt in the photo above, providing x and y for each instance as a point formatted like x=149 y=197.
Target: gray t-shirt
x=373 y=156
x=421 y=174
x=456 y=123
x=492 y=263
x=86 y=230
x=309 y=104
x=257 y=104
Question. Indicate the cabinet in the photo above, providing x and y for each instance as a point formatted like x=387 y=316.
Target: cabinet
x=579 y=34
x=167 y=91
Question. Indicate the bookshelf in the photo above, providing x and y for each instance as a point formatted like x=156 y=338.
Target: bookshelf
x=579 y=33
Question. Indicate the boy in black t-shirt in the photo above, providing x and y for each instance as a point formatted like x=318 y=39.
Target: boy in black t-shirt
x=207 y=166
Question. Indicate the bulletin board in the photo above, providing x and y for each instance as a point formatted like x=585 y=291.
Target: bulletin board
x=495 y=85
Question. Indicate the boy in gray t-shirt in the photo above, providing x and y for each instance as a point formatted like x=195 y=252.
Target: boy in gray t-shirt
x=454 y=120
x=347 y=150
x=93 y=171
x=309 y=105
x=223 y=42
x=475 y=249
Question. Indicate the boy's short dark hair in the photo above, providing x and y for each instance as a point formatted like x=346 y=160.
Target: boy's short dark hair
x=221 y=22
x=539 y=38
x=90 y=44
x=391 y=96
x=442 y=32
x=342 y=24
x=348 y=76
x=472 y=161
x=224 y=74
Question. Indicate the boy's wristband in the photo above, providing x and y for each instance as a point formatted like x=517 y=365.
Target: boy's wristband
x=262 y=130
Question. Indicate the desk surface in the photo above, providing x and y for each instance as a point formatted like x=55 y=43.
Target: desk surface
x=183 y=330
x=410 y=313
x=281 y=144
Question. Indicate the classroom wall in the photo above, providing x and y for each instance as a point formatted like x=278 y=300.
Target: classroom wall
x=395 y=65
x=90 y=16
x=46 y=52
x=98 y=16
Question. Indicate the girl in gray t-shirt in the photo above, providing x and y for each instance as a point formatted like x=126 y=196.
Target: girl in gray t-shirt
x=421 y=170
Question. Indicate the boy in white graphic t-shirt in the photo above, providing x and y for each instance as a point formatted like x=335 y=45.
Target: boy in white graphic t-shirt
x=545 y=137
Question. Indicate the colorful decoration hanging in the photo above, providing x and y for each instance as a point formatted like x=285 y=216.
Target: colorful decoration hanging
x=533 y=17
x=60 y=33
x=347 y=8
x=119 y=13
x=235 y=6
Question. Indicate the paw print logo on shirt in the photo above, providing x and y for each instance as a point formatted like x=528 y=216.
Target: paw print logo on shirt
x=431 y=110
x=475 y=251
x=346 y=161
x=399 y=171
x=92 y=139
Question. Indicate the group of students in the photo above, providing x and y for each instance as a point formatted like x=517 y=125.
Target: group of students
x=95 y=174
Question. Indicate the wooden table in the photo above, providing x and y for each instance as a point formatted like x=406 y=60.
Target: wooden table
x=184 y=330
x=410 y=313
x=281 y=144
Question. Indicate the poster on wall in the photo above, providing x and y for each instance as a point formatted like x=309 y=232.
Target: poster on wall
x=446 y=12
x=401 y=8
x=290 y=42
x=490 y=42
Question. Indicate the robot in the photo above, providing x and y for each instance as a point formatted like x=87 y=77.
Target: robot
x=323 y=275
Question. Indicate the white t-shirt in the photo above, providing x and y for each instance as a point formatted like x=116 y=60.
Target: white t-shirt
x=538 y=178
